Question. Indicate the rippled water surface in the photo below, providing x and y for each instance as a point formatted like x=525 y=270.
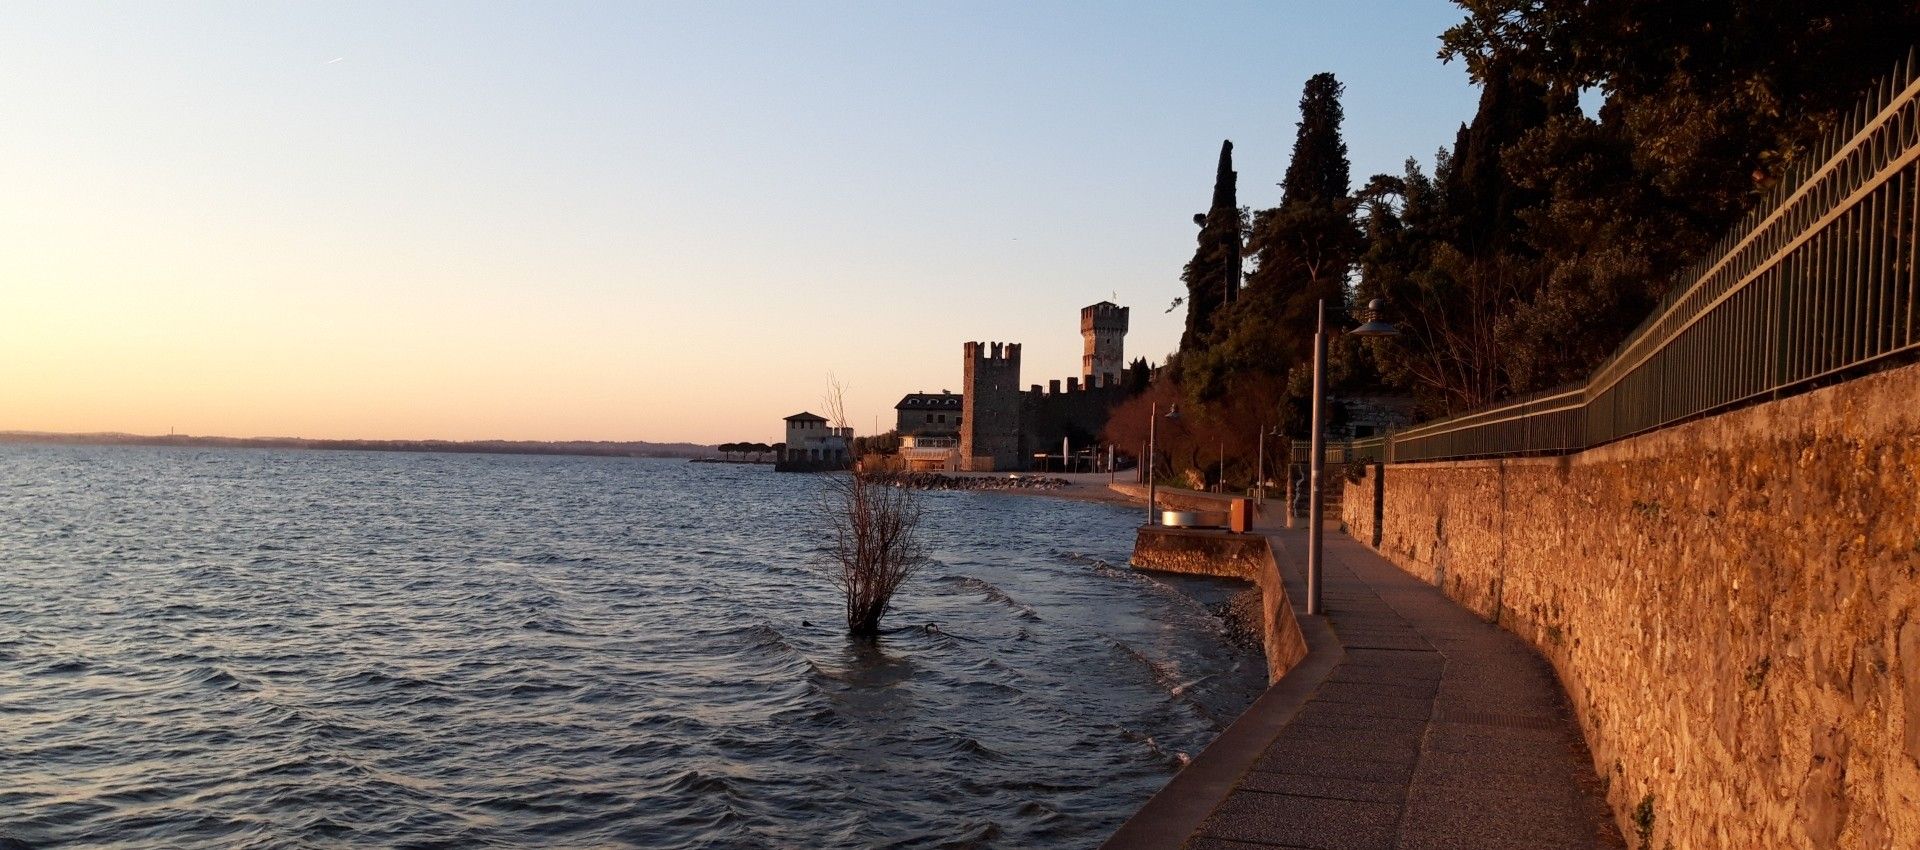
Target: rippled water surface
x=313 y=649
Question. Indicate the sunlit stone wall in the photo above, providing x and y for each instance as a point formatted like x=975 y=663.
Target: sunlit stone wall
x=1732 y=604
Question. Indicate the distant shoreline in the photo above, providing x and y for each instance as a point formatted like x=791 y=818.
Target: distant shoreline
x=578 y=448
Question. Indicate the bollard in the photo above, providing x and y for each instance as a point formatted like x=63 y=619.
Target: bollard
x=1240 y=516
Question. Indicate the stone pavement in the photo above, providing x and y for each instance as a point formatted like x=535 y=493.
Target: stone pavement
x=1434 y=729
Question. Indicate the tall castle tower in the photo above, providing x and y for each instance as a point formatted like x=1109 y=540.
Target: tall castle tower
x=990 y=411
x=1104 y=325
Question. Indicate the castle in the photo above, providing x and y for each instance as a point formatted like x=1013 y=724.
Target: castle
x=1004 y=429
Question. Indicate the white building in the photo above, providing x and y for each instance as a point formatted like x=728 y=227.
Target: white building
x=813 y=444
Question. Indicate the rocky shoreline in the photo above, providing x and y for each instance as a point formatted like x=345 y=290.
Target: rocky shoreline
x=1241 y=616
x=939 y=481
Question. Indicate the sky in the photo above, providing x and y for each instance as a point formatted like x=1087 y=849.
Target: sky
x=629 y=221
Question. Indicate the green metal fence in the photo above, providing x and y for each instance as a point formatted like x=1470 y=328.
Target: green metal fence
x=1814 y=286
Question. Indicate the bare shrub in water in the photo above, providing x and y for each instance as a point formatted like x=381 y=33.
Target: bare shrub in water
x=876 y=544
x=876 y=533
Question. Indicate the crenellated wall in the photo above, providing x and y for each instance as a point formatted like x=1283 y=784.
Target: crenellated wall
x=1733 y=606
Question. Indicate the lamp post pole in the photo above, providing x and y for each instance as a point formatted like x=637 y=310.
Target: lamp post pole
x=1316 y=461
x=1153 y=422
x=1260 y=468
x=1317 y=441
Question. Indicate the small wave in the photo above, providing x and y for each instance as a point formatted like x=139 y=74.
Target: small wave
x=541 y=686
x=550 y=625
x=1173 y=758
x=1167 y=676
x=703 y=783
x=218 y=679
x=994 y=593
x=377 y=679
x=963 y=745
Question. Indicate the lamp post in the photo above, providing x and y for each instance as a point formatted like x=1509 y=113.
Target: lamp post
x=1316 y=460
x=1153 y=421
x=1260 y=466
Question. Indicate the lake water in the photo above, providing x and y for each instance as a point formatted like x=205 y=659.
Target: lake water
x=311 y=649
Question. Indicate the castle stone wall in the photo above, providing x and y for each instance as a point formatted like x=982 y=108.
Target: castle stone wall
x=1076 y=414
x=990 y=417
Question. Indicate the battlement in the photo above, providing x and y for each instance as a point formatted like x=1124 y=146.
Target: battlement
x=1104 y=316
x=1087 y=384
x=991 y=351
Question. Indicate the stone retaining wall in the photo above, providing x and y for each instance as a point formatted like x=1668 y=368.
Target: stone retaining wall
x=1733 y=606
x=1249 y=557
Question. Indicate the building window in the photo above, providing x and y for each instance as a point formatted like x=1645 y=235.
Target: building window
x=943 y=419
x=929 y=417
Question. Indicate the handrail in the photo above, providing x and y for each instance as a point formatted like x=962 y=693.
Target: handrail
x=1819 y=284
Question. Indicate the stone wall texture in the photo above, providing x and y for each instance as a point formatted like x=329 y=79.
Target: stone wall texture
x=1732 y=604
x=1249 y=557
x=1076 y=415
x=990 y=407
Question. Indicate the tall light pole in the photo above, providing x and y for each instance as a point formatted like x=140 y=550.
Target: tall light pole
x=1317 y=440
x=1260 y=466
x=1153 y=421
x=1260 y=471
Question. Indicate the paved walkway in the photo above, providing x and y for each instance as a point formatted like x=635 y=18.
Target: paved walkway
x=1434 y=729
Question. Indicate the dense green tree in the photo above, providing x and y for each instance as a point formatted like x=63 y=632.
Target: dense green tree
x=1545 y=235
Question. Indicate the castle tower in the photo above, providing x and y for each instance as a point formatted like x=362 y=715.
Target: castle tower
x=1104 y=326
x=990 y=408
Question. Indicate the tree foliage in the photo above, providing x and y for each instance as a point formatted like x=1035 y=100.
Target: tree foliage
x=1612 y=144
x=1303 y=251
x=1212 y=277
x=1705 y=105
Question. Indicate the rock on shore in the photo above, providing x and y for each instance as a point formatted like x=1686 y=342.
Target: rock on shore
x=938 y=481
x=1241 y=614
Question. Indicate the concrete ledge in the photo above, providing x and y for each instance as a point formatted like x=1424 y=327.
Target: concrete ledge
x=1175 y=498
x=1175 y=812
x=1248 y=557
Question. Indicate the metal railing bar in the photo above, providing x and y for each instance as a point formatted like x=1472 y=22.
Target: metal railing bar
x=1792 y=388
x=1846 y=206
x=1833 y=160
x=1450 y=424
x=1813 y=183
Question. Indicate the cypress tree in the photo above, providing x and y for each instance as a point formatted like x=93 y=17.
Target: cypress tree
x=1212 y=276
x=1303 y=250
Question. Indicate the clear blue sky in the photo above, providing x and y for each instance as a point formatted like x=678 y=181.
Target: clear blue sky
x=628 y=221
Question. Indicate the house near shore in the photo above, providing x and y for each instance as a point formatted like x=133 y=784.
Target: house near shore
x=929 y=429
x=814 y=445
